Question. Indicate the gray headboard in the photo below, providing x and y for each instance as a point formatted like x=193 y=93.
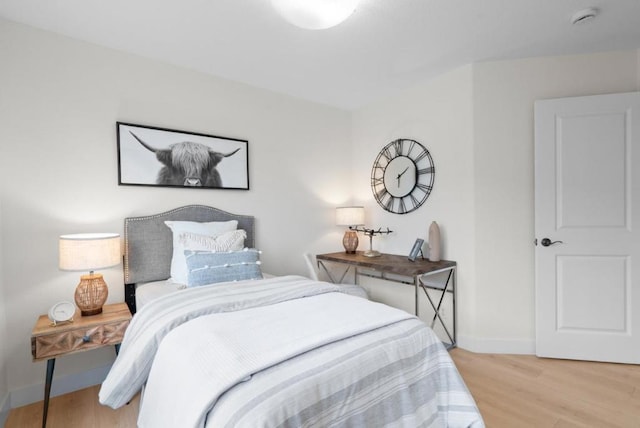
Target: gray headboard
x=148 y=243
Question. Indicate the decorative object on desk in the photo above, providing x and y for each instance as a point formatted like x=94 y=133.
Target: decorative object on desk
x=88 y=252
x=416 y=249
x=61 y=312
x=434 y=242
x=315 y=14
x=351 y=217
x=150 y=156
x=370 y=233
x=402 y=176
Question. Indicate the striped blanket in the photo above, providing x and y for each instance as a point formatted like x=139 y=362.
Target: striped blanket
x=294 y=354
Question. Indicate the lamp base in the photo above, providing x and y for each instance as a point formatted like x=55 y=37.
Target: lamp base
x=372 y=253
x=91 y=312
x=91 y=294
x=350 y=241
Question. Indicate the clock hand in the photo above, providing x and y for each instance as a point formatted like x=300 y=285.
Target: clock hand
x=400 y=175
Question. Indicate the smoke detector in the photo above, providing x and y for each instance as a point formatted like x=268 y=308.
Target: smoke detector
x=584 y=15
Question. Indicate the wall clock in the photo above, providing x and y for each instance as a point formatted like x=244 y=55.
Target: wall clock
x=402 y=176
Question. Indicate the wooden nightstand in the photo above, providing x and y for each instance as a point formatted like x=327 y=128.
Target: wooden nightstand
x=83 y=334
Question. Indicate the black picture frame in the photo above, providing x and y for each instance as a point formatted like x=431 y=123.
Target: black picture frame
x=416 y=249
x=148 y=155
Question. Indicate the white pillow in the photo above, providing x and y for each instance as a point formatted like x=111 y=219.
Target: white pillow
x=227 y=241
x=179 y=272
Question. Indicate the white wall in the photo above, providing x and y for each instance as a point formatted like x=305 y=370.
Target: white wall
x=4 y=389
x=438 y=114
x=478 y=124
x=503 y=96
x=60 y=101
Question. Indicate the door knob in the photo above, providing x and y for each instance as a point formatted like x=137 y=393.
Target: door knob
x=547 y=242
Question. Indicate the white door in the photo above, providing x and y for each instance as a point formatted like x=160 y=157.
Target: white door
x=587 y=178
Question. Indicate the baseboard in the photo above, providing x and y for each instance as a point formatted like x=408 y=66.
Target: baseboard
x=497 y=346
x=61 y=385
x=4 y=409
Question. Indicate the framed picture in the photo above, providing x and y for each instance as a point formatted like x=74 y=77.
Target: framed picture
x=150 y=156
x=416 y=249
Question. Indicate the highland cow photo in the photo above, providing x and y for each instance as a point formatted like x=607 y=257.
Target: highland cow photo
x=149 y=156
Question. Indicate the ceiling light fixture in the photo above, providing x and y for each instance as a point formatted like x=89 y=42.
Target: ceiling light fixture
x=584 y=15
x=315 y=14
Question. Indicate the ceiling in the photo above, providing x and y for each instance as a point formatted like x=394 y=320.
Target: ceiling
x=386 y=45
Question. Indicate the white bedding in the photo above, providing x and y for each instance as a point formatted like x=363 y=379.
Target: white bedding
x=397 y=375
x=241 y=343
x=148 y=291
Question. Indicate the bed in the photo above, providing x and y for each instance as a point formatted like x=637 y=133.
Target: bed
x=271 y=352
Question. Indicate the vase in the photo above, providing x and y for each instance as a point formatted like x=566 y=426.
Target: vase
x=434 y=242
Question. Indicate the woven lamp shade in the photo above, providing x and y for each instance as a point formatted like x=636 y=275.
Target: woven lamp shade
x=88 y=252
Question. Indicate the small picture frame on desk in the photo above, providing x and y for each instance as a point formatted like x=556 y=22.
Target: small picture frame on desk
x=416 y=249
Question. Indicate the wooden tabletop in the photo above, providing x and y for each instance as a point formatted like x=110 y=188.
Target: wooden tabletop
x=110 y=313
x=390 y=263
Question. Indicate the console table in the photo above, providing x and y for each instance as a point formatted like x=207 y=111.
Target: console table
x=400 y=269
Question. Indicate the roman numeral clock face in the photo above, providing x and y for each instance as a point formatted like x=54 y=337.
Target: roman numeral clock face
x=402 y=176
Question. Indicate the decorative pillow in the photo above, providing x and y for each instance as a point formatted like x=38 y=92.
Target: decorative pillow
x=179 y=271
x=207 y=267
x=225 y=242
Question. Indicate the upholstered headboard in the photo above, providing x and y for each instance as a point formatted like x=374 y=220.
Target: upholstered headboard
x=148 y=243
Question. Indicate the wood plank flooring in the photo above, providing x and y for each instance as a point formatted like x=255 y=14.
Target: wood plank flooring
x=512 y=391
x=525 y=391
x=79 y=409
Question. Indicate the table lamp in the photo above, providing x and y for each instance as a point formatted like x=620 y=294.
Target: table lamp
x=351 y=217
x=88 y=252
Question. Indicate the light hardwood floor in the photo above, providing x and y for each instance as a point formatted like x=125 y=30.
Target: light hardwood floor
x=79 y=409
x=512 y=391
x=526 y=391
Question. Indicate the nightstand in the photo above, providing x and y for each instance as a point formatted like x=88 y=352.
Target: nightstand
x=82 y=334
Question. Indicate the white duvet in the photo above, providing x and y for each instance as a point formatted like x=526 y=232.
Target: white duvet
x=222 y=350
x=285 y=352
x=151 y=324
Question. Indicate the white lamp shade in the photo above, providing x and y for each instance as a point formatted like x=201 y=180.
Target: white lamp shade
x=89 y=251
x=315 y=14
x=350 y=216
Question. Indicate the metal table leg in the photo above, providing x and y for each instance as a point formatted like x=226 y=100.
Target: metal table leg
x=51 y=364
x=416 y=284
x=436 y=308
x=331 y=278
x=453 y=302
